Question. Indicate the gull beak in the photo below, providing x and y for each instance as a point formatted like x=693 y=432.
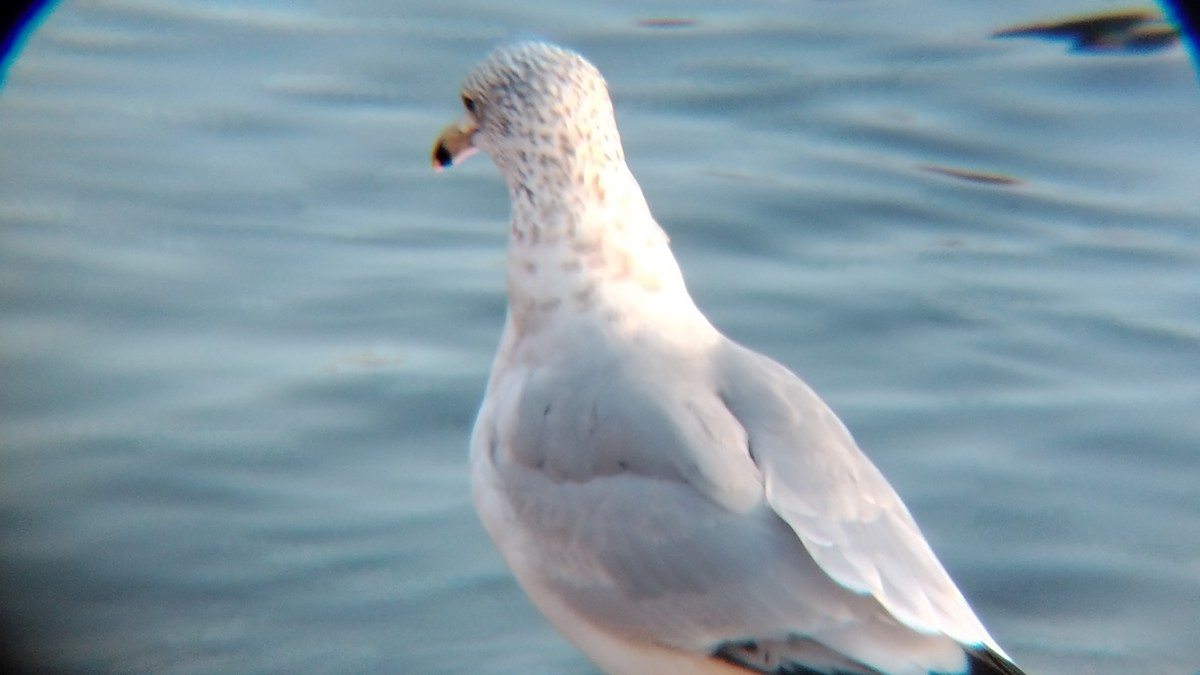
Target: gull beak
x=454 y=144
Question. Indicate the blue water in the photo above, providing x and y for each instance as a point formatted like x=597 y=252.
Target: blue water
x=245 y=328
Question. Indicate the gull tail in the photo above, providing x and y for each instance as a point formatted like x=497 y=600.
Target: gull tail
x=987 y=662
x=798 y=656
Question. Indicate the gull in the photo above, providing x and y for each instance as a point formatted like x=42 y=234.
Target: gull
x=673 y=502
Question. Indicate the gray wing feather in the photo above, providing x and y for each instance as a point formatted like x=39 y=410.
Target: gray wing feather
x=726 y=509
x=838 y=503
x=648 y=513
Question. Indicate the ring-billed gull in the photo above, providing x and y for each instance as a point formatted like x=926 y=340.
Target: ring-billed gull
x=671 y=501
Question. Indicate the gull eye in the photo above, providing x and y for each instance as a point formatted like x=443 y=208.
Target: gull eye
x=469 y=104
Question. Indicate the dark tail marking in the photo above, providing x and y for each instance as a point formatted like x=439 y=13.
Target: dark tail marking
x=987 y=662
x=775 y=659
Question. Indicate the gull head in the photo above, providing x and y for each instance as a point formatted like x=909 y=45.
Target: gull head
x=540 y=111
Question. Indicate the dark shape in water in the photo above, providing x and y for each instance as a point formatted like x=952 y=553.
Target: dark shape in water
x=665 y=22
x=985 y=177
x=1139 y=30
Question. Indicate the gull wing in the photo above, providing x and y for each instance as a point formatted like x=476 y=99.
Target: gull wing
x=848 y=517
x=633 y=501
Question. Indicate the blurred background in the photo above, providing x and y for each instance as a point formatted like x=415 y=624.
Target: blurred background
x=244 y=329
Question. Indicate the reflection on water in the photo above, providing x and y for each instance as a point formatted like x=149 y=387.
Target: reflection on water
x=246 y=329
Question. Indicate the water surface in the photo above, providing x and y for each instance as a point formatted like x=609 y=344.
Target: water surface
x=245 y=328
